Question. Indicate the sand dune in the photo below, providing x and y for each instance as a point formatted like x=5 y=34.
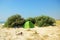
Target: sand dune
x=42 y=33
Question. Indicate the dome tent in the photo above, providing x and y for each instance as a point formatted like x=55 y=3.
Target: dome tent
x=28 y=24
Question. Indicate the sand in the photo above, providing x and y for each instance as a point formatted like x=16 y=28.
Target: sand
x=37 y=33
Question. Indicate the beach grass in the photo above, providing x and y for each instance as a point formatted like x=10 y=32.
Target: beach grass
x=57 y=22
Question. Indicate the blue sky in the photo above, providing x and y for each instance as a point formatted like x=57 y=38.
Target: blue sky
x=29 y=8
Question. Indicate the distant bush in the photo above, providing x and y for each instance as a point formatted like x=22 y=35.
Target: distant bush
x=44 y=21
x=14 y=21
x=18 y=21
x=31 y=19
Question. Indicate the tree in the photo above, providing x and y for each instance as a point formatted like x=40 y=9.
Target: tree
x=14 y=21
x=44 y=21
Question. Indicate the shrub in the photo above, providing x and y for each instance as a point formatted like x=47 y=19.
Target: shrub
x=31 y=19
x=44 y=21
x=14 y=21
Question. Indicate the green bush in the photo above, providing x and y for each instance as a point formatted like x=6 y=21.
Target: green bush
x=44 y=21
x=14 y=21
x=31 y=19
x=18 y=21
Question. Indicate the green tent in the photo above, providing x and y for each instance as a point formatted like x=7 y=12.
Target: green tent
x=28 y=24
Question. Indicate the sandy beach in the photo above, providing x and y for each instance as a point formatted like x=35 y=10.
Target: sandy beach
x=38 y=33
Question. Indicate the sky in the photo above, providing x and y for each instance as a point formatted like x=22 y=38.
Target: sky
x=29 y=8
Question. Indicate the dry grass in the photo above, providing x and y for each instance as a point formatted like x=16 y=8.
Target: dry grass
x=57 y=22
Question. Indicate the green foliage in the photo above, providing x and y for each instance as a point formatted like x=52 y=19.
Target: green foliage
x=31 y=19
x=44 y=21
x=18 y=21
x=14 y=21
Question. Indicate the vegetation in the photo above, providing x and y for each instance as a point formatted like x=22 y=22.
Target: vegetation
x=18 y=21
x=44 y=21
x=14 y=21
x=57 y=22
x=31 y=19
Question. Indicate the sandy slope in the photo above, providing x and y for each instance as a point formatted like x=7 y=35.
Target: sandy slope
x=42 y=33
